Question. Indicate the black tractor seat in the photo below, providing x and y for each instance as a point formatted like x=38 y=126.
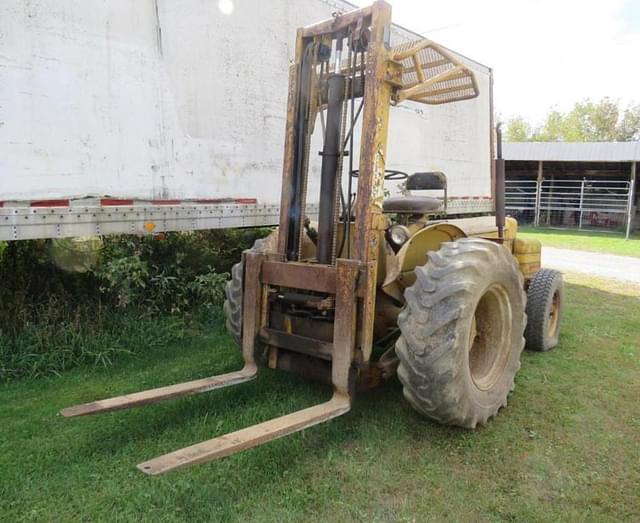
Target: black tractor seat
x=412 y=205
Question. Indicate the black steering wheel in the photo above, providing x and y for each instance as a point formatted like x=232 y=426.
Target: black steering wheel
x=389 y=174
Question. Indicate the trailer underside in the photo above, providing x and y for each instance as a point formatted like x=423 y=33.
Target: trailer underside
x=97 y=217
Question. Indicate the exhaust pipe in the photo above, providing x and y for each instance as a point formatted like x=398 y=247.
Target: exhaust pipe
x=500 y=183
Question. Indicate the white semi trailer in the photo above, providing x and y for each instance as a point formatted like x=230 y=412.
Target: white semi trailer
x=157 y=115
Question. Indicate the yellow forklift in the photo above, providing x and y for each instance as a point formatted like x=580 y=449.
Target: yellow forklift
x=376 y=287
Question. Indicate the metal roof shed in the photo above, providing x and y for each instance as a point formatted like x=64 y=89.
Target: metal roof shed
x=573 y=152
x=559 y=184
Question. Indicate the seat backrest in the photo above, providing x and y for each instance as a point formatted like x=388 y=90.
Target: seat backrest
x=429 y=181
x=436 y=181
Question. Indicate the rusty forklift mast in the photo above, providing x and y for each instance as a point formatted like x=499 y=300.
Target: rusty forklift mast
x=314 y=313
x=368 y=29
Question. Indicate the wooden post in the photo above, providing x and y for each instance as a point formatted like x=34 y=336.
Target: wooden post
x=536 y=220
x=549 y=196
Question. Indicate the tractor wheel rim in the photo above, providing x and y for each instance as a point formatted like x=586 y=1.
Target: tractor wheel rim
x=554 y=313
x=490 y=337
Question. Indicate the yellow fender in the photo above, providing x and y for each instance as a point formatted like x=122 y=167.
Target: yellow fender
x=400 y=266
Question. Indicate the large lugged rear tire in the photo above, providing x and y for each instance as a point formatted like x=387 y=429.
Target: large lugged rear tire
x=545 y=298
x=233 y=289
x=462 y=332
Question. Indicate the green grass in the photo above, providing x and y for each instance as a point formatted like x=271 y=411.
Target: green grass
x=54 y=345
x=611 y=243
x=565 y=449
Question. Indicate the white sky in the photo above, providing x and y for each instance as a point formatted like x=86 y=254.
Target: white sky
x=543 y=52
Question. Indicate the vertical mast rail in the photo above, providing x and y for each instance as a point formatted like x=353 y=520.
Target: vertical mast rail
x=375 y=121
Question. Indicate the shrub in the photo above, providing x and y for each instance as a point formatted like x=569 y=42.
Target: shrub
x=144 y=291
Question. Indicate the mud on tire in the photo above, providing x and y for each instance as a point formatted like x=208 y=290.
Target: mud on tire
x=462 y=333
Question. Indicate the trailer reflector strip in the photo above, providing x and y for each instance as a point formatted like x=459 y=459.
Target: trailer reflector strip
x=50 y=203
x=108 y=202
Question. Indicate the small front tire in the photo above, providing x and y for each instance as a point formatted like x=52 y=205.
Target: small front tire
x=545 y=298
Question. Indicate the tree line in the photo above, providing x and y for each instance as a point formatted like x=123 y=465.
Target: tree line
x=587 y=121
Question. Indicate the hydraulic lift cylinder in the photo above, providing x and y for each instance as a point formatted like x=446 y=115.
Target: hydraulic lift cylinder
x=329 y=173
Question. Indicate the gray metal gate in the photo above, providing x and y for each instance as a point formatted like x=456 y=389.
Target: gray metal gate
x=582 y=204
